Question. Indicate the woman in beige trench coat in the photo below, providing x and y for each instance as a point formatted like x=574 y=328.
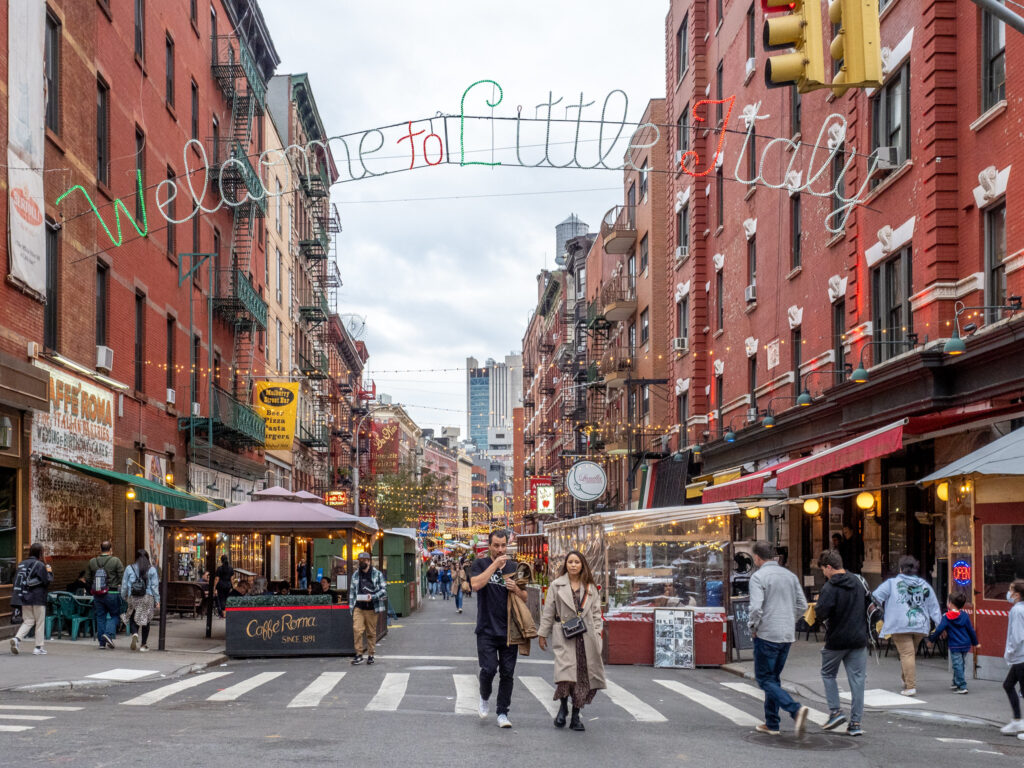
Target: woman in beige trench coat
x=579 y=669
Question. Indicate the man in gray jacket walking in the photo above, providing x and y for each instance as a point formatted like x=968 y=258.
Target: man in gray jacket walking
x=776 y=602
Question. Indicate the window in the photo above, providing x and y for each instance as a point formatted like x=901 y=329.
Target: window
x=645 y=401
x=720 y=299
x=197 y=348
x=796 y=353
x=50 y=311
x=1003 y=556
x=838 y=178
x=682 y=407
x=51 y=58
x=752 y=159
x=213 y=29
x=683 y=317
x=682 y=129
x=890 y=298
x=720 y=399
x=631 y=269
x=718 y=91
x=102 y=287
x=171 y=323
x=752 y=261
x=277 y=205
x=645 y=326
x=102 y=132
x=683 y=228
x=216 y=141
x=644 y=254
x=280 y=344
x=643 y=181
x=752 y=380
x=140 y=342
x=277 y=275
x=171 y=214
x=995 y=268
x=140 y=170
x=631 y=338
x=631 y=205
x=838 y=339
x=890 y=113
x=751 y=50
x=196 y=244
x=720 y=197
x=795 y=108
x=683 y=48
x=193 y=11
x=795 y=235
x=195 y=110
x=993 y=60
x=169 y=65
x=140 y=29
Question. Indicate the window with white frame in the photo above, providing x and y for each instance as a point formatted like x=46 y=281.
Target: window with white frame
x=683 y=317
x=993 y=60
x=891 y=288
x=995 y=268
x=683 y=227
x=683 y=48
x=890 y=116
x=645 y=326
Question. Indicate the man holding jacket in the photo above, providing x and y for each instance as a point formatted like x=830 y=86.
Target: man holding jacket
x=776 y=602
x=367 y=596
x=842 y=605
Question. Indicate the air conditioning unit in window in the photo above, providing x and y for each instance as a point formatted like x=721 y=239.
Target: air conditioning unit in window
x=682 y=254
x=681 y=344
x=195 y=409
x=750 y=293
x=171 y=396
x=104 y=358
x=888 y=160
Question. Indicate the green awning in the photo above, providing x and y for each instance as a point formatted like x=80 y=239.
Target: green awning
x=145 y=490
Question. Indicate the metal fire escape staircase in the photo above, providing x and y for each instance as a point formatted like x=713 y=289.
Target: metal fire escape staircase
x=598 y=332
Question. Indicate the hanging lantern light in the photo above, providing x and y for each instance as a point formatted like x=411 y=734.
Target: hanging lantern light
x=812 y=506
x=130 y=494
x=942 y=491
x=754 y=513
x=865 y=500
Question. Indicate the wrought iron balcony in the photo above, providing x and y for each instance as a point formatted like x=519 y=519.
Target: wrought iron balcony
x=313 y=436
x=234 y=422
x=616 y=365
x=316 y=247
x=618 y=229
x=233 y=174
x=235 y=299
x=231 y=62
x=529 y=401
x=314 y=366
x=313 y=306
x=314 y=184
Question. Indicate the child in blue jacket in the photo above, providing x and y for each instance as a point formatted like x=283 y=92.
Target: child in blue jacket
x=960 y=637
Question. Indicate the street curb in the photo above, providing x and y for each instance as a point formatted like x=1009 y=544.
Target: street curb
x=908 y=714
x=71 y=685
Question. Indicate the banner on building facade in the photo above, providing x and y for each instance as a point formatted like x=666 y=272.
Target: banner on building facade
x=278 y=405
x=384 y=447
x=26 y=110
x=156 y=470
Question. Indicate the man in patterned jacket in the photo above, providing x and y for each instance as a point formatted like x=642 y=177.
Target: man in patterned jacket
x=368 y=596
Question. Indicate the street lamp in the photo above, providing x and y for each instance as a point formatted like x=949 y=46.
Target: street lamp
x=956 y=344
x=355 y=469
x=860 y=376
x=804 y=399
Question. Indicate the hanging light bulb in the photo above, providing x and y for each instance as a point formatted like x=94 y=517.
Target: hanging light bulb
x=942 y=491
x=865 y=500
x=130 y=494
x=812 y=506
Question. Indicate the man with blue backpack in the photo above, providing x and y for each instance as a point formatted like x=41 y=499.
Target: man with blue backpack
x=104 y=578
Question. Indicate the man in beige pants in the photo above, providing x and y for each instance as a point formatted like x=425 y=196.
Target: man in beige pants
x=368 y=596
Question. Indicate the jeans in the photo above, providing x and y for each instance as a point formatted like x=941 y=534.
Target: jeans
x=433 y=588
x=856 y=662
x=958 y=659
x=446 y=589
x=496 y=656
x=458 y=599
x=769 y=661
x=107 y=610
x=1014 y=679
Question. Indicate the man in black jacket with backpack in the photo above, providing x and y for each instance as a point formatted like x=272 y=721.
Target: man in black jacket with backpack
x=104 y=577
x=842 y=605
x=30 y=584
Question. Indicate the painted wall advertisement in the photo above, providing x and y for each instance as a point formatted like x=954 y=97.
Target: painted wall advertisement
x=26 y=110
x=278 y=405
x=71 y=513
x=384 y=447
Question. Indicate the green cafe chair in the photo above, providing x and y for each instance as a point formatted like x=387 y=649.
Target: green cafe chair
x=71 y=612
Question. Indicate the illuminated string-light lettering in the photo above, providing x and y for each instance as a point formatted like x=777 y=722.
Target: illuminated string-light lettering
x=118 y=207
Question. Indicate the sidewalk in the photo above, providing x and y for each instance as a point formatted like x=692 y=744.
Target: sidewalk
x=72 y=664
x=986 y=701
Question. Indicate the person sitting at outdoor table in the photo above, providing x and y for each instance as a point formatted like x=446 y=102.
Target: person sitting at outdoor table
x=325 y=589
x=79 y=585
x=241 y=589
x=285 y=589
x=259 y=586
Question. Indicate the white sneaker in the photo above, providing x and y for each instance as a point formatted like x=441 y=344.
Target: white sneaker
x=144 y=649
x=908 y=692
x=1012 y=727
x=504 y=722
x=484 y=709
x=15 y=645
x=39 y=651
x=135 y=642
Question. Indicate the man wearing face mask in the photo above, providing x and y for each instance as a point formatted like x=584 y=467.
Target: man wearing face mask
x=368 y=596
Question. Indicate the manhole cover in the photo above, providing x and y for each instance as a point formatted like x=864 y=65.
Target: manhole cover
x=811 y=741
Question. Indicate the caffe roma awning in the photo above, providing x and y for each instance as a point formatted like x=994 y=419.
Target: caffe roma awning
x=1001 y=458
x=145 y=490
x=871 y=445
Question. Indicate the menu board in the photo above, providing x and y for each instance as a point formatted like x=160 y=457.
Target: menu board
x=673 y=639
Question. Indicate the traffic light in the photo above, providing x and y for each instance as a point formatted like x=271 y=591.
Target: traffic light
x=799 y=29
x=857 y=44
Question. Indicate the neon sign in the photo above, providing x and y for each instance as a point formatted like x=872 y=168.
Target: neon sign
x=962 y=572
x=433 y=149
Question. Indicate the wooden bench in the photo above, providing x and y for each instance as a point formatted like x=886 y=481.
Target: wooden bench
x=184 y=597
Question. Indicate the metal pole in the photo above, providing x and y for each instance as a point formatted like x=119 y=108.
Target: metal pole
x=1001 y=12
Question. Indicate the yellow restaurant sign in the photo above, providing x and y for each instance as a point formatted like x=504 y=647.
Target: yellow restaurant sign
x=278 y=405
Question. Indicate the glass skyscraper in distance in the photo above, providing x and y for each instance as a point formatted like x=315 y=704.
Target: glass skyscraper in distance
x=478 y=401
x=492 y=391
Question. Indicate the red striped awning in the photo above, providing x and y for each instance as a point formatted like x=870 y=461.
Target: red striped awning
x=867 y=446
x=748 y=485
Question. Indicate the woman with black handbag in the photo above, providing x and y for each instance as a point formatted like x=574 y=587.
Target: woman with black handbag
x=572 y=619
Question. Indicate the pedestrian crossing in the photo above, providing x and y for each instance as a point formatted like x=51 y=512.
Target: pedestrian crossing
x=17 y=718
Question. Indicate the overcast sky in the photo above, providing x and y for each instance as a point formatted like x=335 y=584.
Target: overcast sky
x=440 y=279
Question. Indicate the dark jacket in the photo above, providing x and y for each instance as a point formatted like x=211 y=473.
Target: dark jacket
x=36 y=569
x=959 y=631
x=842 y=605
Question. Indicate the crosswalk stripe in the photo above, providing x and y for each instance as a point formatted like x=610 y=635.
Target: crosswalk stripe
x=35 y=708
x=15 y=728
x=816 y=717
x=390 y=693
x=640 y=711
x=543 y=691
x=467 y=694
x=159 y=694
x=26 y=717
x=312 y=694
x=236 y=690
x=737 y=716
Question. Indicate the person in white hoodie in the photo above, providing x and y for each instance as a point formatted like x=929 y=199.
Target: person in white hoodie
x=1014 y=656
x=910 y=606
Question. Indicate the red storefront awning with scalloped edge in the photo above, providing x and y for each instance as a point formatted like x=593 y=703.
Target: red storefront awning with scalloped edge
x=867 y=446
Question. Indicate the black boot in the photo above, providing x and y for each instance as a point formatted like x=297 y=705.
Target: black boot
x=575 y=723
x=563 y=710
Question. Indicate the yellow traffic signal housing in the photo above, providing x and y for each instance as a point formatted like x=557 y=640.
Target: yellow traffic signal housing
x=858 y=44
x=799 y=29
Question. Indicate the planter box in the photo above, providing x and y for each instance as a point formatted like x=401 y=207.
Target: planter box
x=288 y=630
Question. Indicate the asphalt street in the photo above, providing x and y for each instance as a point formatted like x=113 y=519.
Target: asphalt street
x=417 y=706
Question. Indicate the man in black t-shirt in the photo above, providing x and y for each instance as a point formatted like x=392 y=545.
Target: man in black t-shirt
x=490 y=578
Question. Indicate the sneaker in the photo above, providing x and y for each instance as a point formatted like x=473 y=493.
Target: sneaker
x=762 y=728
x=144 y=649
x=135 y=642
x=908 y=692
x=15 y=645
x=107 y=642
x=1012 y=727
x=801 y=720
x=961 y=690
x=369 y=660
x=954 y=687
x=504 y=722
x=39 y=651
x=835 y=719
x=484 y=709
x=854 y=729
x=358 y=659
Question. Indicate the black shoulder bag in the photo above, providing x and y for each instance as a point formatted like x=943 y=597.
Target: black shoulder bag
x=574 y=626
